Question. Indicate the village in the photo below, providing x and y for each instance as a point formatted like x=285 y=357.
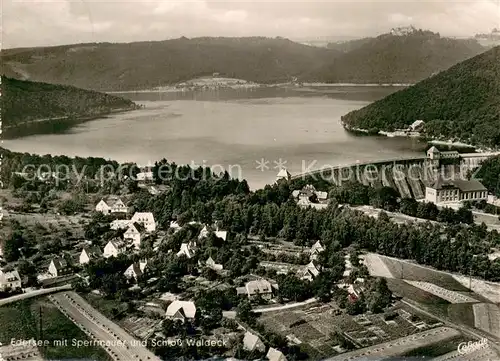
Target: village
x=183 y=278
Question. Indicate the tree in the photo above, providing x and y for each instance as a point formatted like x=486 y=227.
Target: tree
x=465 y=215
x=409 y=206
x=293 y=288
x=12 y=247
x=354 y=258
x=379 y=296
x=322 y=286
x=244 y=311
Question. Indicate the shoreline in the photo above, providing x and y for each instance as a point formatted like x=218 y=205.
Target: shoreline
x=414 y=135
x=12 y=132
x=249 y=85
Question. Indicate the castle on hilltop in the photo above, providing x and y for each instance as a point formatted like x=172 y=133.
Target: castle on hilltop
x=404 y=30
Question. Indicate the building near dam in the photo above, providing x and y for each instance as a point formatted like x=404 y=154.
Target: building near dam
x=435 y=154
x=453 y=191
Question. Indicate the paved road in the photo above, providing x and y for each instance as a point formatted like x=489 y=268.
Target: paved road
x=118 y=343
x=36 y=293
x=284 y=307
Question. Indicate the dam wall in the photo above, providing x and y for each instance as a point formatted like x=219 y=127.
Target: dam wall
x=409 y=176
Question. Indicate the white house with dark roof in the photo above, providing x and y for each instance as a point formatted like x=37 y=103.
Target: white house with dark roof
x=275 y=355
x=175 y=226
x=204 y=232
x=135 y=270
x=186 y=250
x=261 y=287
x=59 y=267
x=252 y=343
x=111 y=205
x=308 y=191
x=114 y=248
x=89 y=253
x=315 y=250
x=181 y=310
x=145 y=177
x=133 y=234
x=218 y=233
x=210 y=263
x=221 y=234
x=309 y=272
x=10 y=280
x=146 y=219
x=416 y=126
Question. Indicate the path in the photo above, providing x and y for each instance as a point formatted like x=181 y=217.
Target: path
x=284 y=307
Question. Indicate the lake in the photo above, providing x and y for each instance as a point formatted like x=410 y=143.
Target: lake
x=247 y=132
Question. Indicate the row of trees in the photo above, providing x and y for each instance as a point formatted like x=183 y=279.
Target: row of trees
x=271 y=212
x=355 y=193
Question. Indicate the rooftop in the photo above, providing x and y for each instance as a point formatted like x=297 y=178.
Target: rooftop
x=252 y=342
x=187 y=307
x=472 y=185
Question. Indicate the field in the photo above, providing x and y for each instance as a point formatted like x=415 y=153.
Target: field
x=110 y=308
x=404 y=289
x=312 y=327
x=50 y=222
x=377 y=267
x=462 y=313
x=437 y=349
x=21 y=320
x=413 y=272
x=487 y=318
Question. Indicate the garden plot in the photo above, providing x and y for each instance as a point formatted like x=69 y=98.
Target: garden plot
x=450 y=296
x=400 y=346
x=142 y=327
x=487 y=318
x=313 y=330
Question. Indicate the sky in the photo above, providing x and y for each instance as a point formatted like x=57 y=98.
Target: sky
x=56 y=22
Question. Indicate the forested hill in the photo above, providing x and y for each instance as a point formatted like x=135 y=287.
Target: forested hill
x=30 y=107
x=490 y=175
x=396 y=59
x=462 y=103
x=142 y=65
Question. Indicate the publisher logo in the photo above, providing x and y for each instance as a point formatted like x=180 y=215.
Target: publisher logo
x=471 y=346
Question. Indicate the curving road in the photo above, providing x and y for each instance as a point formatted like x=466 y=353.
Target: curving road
x=35 y=293
x=118 y=343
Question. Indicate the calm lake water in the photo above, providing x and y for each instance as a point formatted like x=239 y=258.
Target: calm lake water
x=231 y=130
